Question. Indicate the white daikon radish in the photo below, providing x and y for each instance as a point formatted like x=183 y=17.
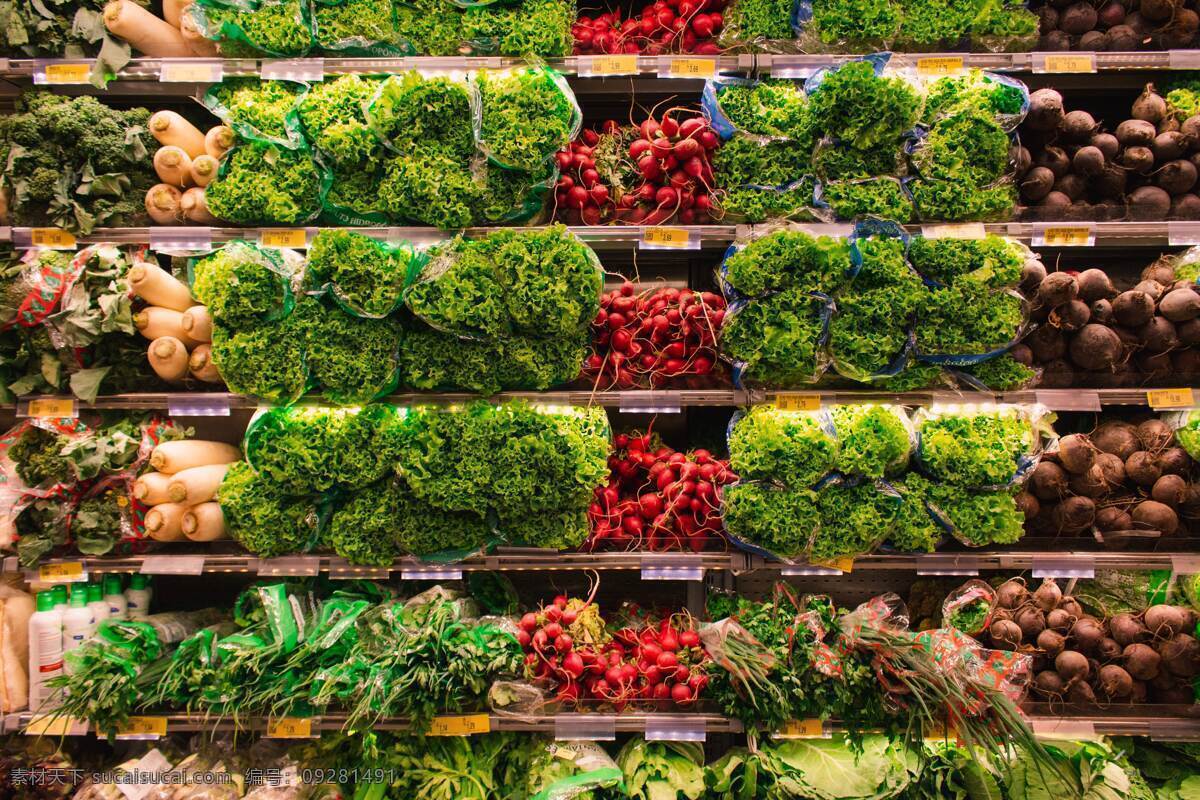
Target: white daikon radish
x=170 y=128
x=169 y=358
x=164 y=522
x=154 y=322
x=201 y=365
x=151 y=35
x=204 y=522
x=197 y=323
x=196 y=484
x=162 y=204
x=173 y=166
x=158 y=287
x=180 y=454
x=194 y=207
x=151 y=489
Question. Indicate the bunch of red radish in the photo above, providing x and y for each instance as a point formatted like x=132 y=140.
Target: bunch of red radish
x=581 y=661
x=654 y=337
x=663 y=174
x=658 y=499
x=664 y=26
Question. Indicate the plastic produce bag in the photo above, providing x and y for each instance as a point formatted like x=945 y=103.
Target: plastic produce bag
x=874 y=440
x=884 y=196
x=771 y=520
x=260 y=184
x=246 y=28
x=757 y=27
x=777 y=257
x=980 y=446
x=528 y=115
x=259 y=110
x=767 y=110
x=777 y=340
x=856 y=516
x=33 y=287
x=969 y=608
x=241 y=282
x=357 y=28
x=412 y=109
x=364 y=276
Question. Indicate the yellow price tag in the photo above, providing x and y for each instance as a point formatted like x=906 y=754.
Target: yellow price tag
x=801 y=729
x=460 y=725
x=143 y=726
x=1170 y=398
x=1070 y=62
x=798 y=402
x=55 y=725
x=965 y=230
x=692 y=68
x=290 y=728
x=52 y=238
x=938 y=732
x=66 y=572
x=283 y=237
x=845 y=563
x=666 y=237
x=52 y=408
x=1068 y=236
x=68 y=73
x=939 y=65
x=614 y=65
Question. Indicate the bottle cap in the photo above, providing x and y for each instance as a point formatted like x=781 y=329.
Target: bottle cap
x=137 y=581
x=45 y=601
x=94 y=593
x=79 y=598
x=112 y=584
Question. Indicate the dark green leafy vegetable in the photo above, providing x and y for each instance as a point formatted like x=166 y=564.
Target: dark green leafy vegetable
x=788 y=260
x=261 y=184
x=263 y=519
x=242 y=283
x=353 y=360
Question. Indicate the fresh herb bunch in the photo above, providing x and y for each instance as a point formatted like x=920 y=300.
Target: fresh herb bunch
x=797 y=448
x=788 y=259
x=96 y=523
x=527 y=118
x=353 y=360
x=262 y=518
x=271 y=27
x=778 y=338
x=967 y=318
x=334 y=120
x=74 y=163
x=70 y=28
x=265 y=109
x=873 y=440
x=365 y=275
x=993 y=259
x=853 y=520
x=431 y=360
x=263 y=359
x=770 y=107
x=854 y=104
x=261 y=184
x=242 y=283
x=784 y=521
x=874 y=197
x=385 y=519
x=311 y=449
x=975 y=448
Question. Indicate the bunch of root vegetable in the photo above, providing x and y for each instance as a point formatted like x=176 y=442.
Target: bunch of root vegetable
x=1078 y=658
x=1120 y=480
x=186 y=163
x=664 y=26
x=1117 y=25
x=658 y=499
x=1091 y=334
x=569 y=649
x=1070 y=168
x=653 y=337
x=647 y=174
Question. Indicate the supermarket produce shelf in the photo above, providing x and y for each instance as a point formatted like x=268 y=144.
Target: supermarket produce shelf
x=1048 y=562
x=1068 y=235
x=653 y=401
x=1046 y=721
x=181 y=75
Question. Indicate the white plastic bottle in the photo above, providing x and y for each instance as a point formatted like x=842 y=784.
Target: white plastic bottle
x=45 y=649
x=78 y=622
x=96 y=602
x=60 y=597
x=117 y=607
x=137 y=596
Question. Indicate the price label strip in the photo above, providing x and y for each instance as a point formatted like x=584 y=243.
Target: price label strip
x=172 y=565
x=291 y=728
x=1064 y=62
x=143 y=728
x=52 y=408
x=1064 y=236
x=940 y=65
x=55 y=725
x=787 y=401
x=803 y=729
x=189 y=70
x=845 y=564
x=292 y=238
x=64 y=572
x=965 y=230
x=658 y=238
x=695 y=68
x=601 y=66
x=461 y=725
x=1171 y=398
x=60 y=73
x=51 y=238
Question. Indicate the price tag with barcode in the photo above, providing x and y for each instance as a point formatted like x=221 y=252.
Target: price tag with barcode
x=290 y=728
x=143 y=728
x=939 y=65
x=801 y=729
x=697 y=68
x=592 y=66
x=1064 y=236
x=63 y=572
x=283 y=237
x=1170 y=398
x=52 y=238
x=1064 y=62
x=460 y=725
x=797 y=402
x=962 y=230
x=661 y=238
x=62 y=73
x=52 y=408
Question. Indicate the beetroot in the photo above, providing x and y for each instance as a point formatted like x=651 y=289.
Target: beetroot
x=1094 y=284
x=1114 y=682
x=1117 y=438
x=1048 y=481
x=1096 y=347
x=1152 y=515
x=1045 y=110
x=1140 y=661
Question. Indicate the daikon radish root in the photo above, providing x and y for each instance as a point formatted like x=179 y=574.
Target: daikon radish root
x=197 y=42
x=218 y=140
x=195 y=207
x=154 y=322
x=180 y=454
x=196 y=484
x=173 y=166
x=158 y=287
x=204 y=169
x=197 y=323
x=152 y=35
x=201 y=365
x=173 y=10
x=162 y=203
x=204 y=522
x=169 y=358
x=164 y=522
x=151 y=488
x=170 y=128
